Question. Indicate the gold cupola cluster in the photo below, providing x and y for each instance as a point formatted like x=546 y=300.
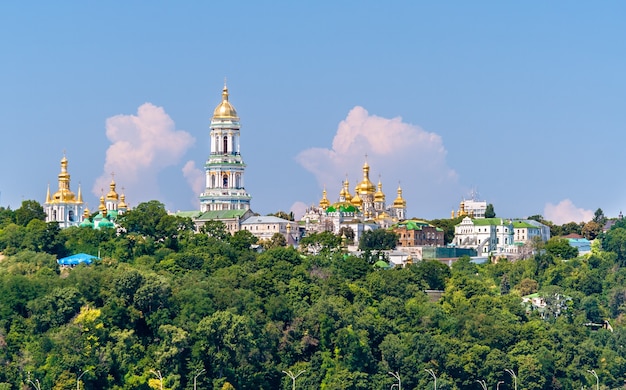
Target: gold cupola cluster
x=368 y=200
x=225 y=110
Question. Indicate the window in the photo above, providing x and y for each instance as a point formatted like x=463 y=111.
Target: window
x=225 y=181
x=225 y=144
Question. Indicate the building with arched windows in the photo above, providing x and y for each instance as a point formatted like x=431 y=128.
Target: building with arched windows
x=224 y=168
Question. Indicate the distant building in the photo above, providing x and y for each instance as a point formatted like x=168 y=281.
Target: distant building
x=264 y=228
x=486 y=235
x=366 y=210
x=418 y=233
x=526 y=230
x=64 y=207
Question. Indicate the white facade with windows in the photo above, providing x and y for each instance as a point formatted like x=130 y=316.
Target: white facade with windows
x=224 y=189
x=486 y=235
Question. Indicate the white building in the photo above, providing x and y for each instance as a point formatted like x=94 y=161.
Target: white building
x=486 y=235
x=264 y=228
x=225 y=168
x=526 y=230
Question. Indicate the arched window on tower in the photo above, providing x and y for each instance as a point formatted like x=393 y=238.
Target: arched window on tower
x=212 y=181
x=225 y=144
x=225 y=181
x=54 y=215
x=70 y=216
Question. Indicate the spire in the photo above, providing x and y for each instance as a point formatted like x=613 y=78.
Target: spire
x=80 y=194
x=48 y=194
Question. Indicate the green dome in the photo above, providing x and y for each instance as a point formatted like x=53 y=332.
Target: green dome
x=86 y=223
x=105 y=223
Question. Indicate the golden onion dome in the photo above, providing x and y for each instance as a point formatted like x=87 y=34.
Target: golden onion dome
x=64 y=194
x=346 y=192
x=379 y=196
x=365 y=187
x=224 y=109
x=356 y=200
x=399 y=202
x=102 y=206
x=324 y=203
x=112 y=195
x=122 y=205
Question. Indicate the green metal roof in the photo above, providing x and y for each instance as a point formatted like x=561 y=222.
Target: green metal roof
x=222 y=214
x=488 y=221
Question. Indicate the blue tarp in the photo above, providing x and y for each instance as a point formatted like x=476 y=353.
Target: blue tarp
x=77 y=259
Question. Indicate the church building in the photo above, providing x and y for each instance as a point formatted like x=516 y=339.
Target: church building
x=64 y=206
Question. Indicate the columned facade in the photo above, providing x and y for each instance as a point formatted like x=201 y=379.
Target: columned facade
x=224 y=189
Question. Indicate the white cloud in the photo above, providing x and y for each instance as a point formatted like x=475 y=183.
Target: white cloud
x=399 y=152
x=565 y=211
x=196 y=179
x=142 y=146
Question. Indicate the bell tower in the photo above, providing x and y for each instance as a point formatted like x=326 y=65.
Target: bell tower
x=224 y=189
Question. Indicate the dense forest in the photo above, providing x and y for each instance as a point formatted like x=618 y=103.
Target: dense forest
x=169 y=308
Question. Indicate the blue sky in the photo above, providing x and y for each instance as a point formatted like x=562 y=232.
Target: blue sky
x=522 y=102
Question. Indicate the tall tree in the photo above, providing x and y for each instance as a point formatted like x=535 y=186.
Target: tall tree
x=490 y=212
x=379 y=239
x=30 y=209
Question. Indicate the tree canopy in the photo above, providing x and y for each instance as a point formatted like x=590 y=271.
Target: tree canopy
x=197 y=306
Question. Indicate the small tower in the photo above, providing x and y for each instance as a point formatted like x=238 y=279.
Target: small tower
x=399 y=205
x=64 y=206
x=379 y=199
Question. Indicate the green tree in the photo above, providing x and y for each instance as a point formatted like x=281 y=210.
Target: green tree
x=30 y=209
x=243 y=240
x=378 y=239
x=434 y=273
x=490 y=212
x=281 y=214
x=560 y=248
x=216 y=229
x=447 y=225
x=278 y=240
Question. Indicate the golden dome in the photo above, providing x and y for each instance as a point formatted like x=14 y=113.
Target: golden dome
x=399 y=202
x=379 y=196
x=345 y=193
x=324 y=203
x=64 y=194
x=112 y=195
x=102 y=206
x=224 y=109
x=365 y=187
x=356 y=200
x=122 y=205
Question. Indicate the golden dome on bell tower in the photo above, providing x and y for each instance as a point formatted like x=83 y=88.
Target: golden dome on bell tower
x=225 y=110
